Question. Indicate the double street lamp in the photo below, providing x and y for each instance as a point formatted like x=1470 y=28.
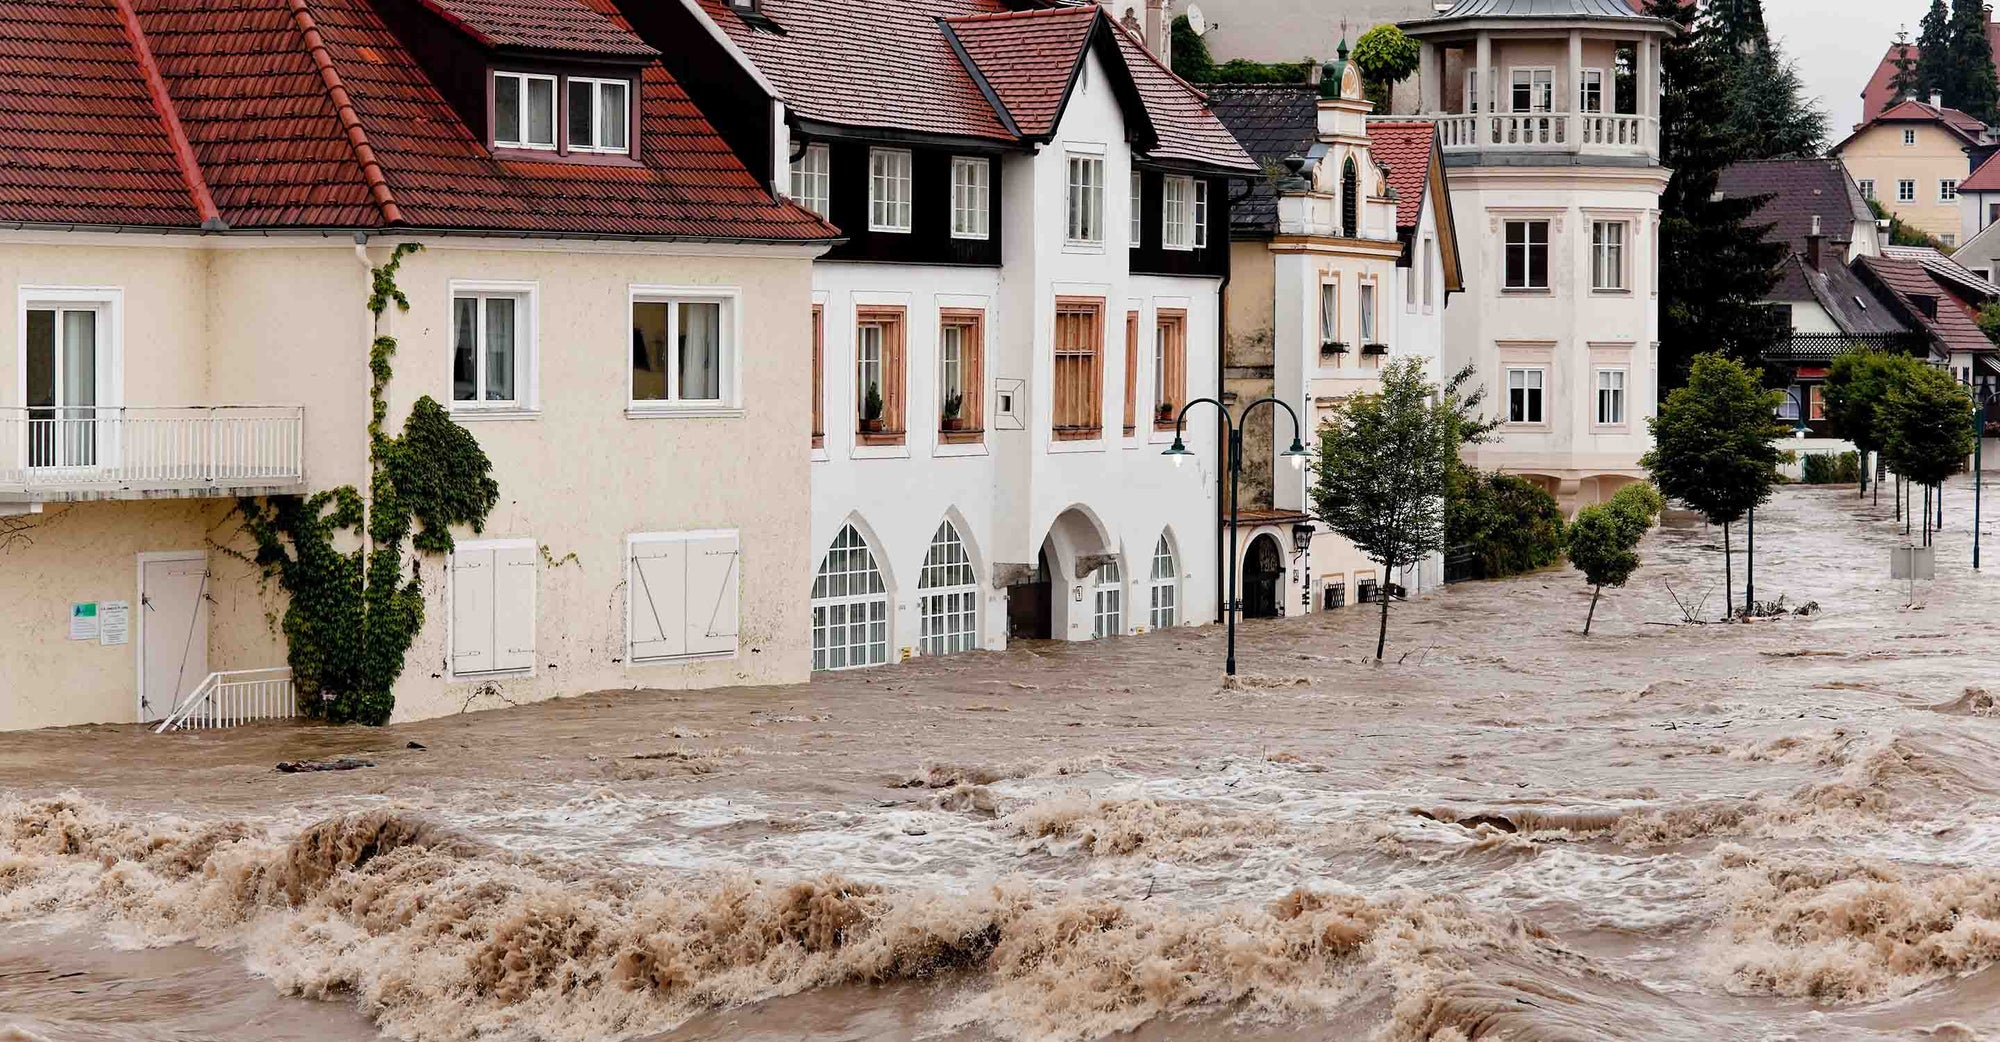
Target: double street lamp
x=1799 y=431
x=1297 y=454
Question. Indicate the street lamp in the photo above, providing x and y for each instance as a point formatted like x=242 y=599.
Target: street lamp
x=1297 y=454
x=1799 y=431
x=1978 y=463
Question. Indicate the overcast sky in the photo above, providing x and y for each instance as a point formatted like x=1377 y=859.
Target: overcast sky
x=1837 y=44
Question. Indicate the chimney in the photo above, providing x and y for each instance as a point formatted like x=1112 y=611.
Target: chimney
x=1813 y=239
x=1937 y=100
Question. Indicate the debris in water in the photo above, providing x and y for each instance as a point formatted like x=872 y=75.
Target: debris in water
x=342 y=763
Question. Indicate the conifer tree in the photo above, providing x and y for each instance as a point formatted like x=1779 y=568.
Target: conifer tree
x=1972 y=85
x=1934 y=52
x=1904 y=83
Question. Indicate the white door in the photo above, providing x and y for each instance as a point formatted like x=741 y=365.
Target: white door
x=173 y=630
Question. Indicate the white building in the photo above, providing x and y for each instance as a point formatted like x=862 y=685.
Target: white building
x=1035 y=213
x=1548 y=113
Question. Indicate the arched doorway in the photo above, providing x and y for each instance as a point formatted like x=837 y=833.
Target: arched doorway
x=1028 y=615
x=850 y=606
x=1263 y=577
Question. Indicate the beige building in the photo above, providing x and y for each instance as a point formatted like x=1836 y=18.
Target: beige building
x=1911 y=159
x=626 y=334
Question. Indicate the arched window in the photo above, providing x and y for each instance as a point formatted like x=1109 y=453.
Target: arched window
x=948 y=595
x=1350 y=200
x=850 y=606
x=1110 y=618
x=1166 y=586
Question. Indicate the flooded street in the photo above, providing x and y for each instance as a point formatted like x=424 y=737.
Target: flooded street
x=1781 y=830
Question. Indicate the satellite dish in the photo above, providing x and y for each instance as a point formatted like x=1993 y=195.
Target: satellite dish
x=1195 y=20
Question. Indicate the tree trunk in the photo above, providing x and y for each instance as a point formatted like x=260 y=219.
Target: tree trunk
x=1382 y=635
x=1728 y=577
x=1878 y=481
x=1595 y=593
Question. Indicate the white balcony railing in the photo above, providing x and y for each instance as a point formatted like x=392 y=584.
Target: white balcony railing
x=192 y=449
x=228 y=698
x=1587 y=132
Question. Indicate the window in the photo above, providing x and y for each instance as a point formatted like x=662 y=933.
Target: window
x=811 y=182
x=948 y=595
x=961 y=374
x=1138 y=210
x=1524 y=396
x=1109 y=619
x=1428 y=247
x=1592 y=91
x=1329 y=313
x=1947 y=190
x=1077 y=370
x=878 y=375
x=1607 y=255
x=1367 y=312
x=1350 y=199
x=1085 y=210
x=492 y=606
x=1472 y=97
x=1816 y=402
x=850 y=606
x=1169 y=367
x=1534 y=90
x=1527 y=255
x=888 y=190
x=1906 y=191
x=682 y=351
x=1177 y=213
x=971 y=192
x=524 y=111
x=68 y=372
x=1909 y=137
x=681 y=595
x=1131 y=373
x=1610 y=396
x=489 y=359
x=1166 y=586
x=1949 y=240
x=1867 y=186
x=1201 y=215
x=599 y=115
x=819 y=376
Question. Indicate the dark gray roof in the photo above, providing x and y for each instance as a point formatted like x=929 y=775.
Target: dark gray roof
x=1271 y=121
x=1853 y=305
x=1798 y=190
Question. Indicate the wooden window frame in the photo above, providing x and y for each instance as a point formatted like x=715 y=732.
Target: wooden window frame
x=972 y=374
x=1131 y=373
x=1092 y=389
x=1170 y=356
x=819 y=376
x=895 y=334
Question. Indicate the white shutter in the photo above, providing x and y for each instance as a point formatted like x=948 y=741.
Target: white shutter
x=712 y=579
x=655 y=597
x=514 y=574
x=472 y=611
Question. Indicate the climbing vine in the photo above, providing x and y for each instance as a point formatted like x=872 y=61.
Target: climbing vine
x=354 y=613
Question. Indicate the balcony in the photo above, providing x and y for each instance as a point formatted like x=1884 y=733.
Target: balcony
x=1587 y=133
x=99 y=452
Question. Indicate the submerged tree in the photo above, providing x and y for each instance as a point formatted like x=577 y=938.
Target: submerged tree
x=1603 y=541
x=1855 y=386
x=1927 y=426
x=1380 y=475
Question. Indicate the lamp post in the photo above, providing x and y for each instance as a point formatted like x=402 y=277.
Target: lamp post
x=1978 y=463
x=1799 y=431
x=1234 y=426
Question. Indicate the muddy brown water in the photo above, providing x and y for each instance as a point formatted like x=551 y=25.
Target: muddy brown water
x=1776 y=830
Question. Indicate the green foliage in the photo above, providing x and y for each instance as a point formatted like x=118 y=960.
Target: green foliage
x=954 y=403
x=1385 y=57
x=352 y=614
x=1827 y=468
x=1972 y=87
x=871 y=403
x=1988 y=317
x=1927 y=424
x=1902 y=234
x=1904 y=83
x=1380 y=475
x=1509 y=524
x=1934 y=71
x=1191 y=59
x=1473 y=429
x=1603 y=541
x=1193 y=62
x=1856 y=383
x=1642 y=499
x=1715 y=440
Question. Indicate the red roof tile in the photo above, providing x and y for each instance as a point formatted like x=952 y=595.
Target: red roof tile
x=1406 y=149
x=1967 y=127
x=1029 y=59
x=1952 y=326
x=1188 y=129
x=277 y=152
x=1875 y=95
x=544 y=25
x=1984 y=179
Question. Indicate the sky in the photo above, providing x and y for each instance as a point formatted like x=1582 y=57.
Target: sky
x=1837 y=44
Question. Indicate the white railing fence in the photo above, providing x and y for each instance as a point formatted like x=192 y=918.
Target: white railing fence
x=102 y=447
x=228 y=698
x=1620 y=133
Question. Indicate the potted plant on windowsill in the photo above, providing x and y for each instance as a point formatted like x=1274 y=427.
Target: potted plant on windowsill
x=871 y=411
x=953 y=416
x=1164 y=414
x=1329 y=348
x=1374 y=349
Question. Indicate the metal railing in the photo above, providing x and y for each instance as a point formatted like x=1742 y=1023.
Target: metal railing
x=202 y=447
x=231 y=697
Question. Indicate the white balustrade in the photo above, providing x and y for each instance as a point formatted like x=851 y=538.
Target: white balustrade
x=1585 y=132
x=192 y=448
x=228 y=698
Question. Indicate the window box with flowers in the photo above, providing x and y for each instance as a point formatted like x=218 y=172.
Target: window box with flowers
x=1374 y=349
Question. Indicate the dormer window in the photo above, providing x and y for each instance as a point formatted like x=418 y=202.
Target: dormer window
x=524 y=111
x=600 y=114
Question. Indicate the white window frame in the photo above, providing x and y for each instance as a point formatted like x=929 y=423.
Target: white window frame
x=940 y=629
x=1507 y=244
x=464 y=546
x=1906 y=190
x=1177 y=213
x=594 y=85
x=1867 y=187
x=812 y=179
x=884 y=598
x=1909 y=137
x=1108 y=601
x=635 y=539
x=1164 y=588
x=1083 y=200
x=1590 y=78
x=1472 y=98
x=889 y=184
x=971 y=197
x=1430 y=251
x=1608 y=272
x=109 y=304
x=1947 y=189
x=730 y=357
x=527 y=329
x=555 y=114
x=1365 y=311
x=1538 y=89
x=1138 y=215
x=1621 y=396
x=1540 y=399
x=1329 y=324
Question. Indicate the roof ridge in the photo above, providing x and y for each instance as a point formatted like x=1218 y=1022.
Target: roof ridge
x=350 y=120
x=163 y=106
x=1155 y=59
x=979 y=79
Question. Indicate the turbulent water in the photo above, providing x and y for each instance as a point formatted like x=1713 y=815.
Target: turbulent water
x=1780 y=830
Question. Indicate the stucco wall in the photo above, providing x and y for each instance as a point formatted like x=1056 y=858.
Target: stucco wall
x=1878 y=153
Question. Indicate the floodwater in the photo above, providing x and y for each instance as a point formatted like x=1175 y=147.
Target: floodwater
x=1779 y=830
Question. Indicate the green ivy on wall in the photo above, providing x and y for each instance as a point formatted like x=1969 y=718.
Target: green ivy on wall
x=353 y=614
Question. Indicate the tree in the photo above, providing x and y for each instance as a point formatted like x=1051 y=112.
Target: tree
x=1715 y=445
x=1927 y=425
x=1904 y=83
x=1603 y=541
x=1855 y=385
x=1972 y=87
x=1770 y=115
x=1191 y=59
x=1386 y=57
x=1901 y=234
x=1380 y=475
x=1934 y=52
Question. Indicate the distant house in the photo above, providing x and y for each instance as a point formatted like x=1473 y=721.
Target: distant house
x=1912 y=158
x=1877 y=95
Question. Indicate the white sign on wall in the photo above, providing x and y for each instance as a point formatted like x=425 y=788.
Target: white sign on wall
x=83 y=620
x=114 y=622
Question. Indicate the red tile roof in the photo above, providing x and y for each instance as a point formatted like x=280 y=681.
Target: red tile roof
x=1984 y=179
x=1965 y=126
x=1875 y=95
x=571 y=26
x=346 y=134
x=1188 y=129
x=1406 y=149
x=1952 y=326
x=1028 y=58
